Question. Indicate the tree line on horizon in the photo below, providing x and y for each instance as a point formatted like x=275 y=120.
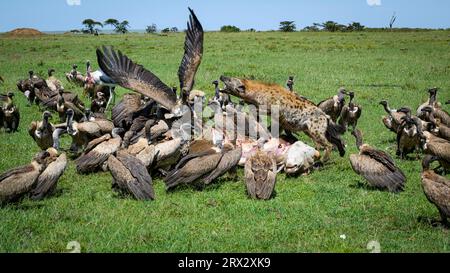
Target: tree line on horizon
x=93 y=27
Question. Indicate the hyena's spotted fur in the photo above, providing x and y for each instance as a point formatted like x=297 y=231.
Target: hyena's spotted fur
x=296 y=113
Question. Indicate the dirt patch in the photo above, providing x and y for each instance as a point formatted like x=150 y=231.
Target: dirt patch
x=27 y=32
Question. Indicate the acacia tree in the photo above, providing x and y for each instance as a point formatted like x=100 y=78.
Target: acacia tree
x=90 y=24
x=151 y=29
x=123 y=27
x=111 y=22
x=287 y=26
x=119 y=27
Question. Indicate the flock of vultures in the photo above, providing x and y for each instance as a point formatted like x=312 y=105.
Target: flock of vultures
x=153 y=131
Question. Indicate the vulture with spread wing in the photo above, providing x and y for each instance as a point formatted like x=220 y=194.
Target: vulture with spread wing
x=135 y=77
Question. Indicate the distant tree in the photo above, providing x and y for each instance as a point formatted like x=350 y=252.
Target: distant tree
x=111 y=22
x=356 y=26
x=330 y=26
x=122 y=27
x=166 y=30
x=151 y=29
x=251 y=30
x=174 y=29
x=287 y=26
x=90 y=25
x=312 y=28
x=119 y=27
x=392 y=21
x=229 y=28
x=75 y=31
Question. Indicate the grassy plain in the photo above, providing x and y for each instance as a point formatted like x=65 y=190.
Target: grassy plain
x=309 y=214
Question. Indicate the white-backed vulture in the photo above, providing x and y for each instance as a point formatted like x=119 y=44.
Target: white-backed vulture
x=350 y=114
x=260 y=175
x=130 y=176
x=436 y=189
x=333 y=106
x=98 y=151
x=377 y=167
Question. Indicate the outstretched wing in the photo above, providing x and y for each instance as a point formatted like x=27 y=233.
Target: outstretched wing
x=193 y=52
x=134 y=77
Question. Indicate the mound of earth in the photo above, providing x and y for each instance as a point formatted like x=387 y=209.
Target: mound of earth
x=25 y=32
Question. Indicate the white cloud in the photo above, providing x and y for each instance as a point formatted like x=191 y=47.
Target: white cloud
x=370 y=2
x=73 y=2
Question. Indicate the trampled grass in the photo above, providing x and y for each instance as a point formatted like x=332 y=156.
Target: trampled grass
x=309 y=213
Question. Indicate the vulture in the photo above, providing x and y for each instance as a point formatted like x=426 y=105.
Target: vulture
x=123 y=113
x=37 y=178
x=408 y=136
x=300 y=158
x=260 y=175
x=130 y=176
x=222 y=98
x=228 y=162
x=377 y=167
x=47 y=181
x=290 y=83
x=62 y=105
x=436 y=127
x=350 y=114
x=42 y=131
x=52 y=82
x=436 y=189
x=333 y=106
x=438 y=147
x=27 y=86
x=151 y=131
x=442 y=115
x=75 y=76
x=393 y=120
x=140 y=128
x=432 y=101
x=135 y=77
x=98 y=151
x=196 y=167
x=82 y=133
x=98 y=104
x=53 y=102
x=10 y=113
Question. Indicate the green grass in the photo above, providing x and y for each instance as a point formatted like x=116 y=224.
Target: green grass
x=308 y=214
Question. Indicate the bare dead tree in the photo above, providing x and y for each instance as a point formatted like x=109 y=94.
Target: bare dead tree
x=393 y=19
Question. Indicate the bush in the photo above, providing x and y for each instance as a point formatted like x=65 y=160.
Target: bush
x=230 y=29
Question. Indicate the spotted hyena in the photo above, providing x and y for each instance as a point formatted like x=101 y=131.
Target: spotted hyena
x=296 y=113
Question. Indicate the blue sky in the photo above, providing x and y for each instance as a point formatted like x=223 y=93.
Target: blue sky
x=52 y=15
